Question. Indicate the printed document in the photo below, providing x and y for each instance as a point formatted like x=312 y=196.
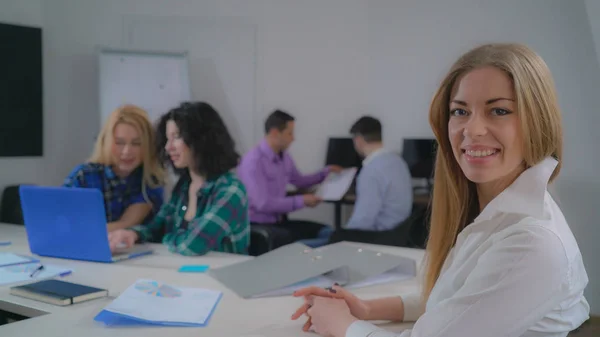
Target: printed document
x=336 y=185
x=154 y=302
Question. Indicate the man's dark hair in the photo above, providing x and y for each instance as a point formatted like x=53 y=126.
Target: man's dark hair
x=278 y=120
x=368 y=127
x=203 y=130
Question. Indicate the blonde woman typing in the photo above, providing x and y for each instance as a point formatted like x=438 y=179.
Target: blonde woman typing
x=125 y=168
x=501 y=259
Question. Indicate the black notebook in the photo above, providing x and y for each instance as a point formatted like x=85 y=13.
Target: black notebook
x=58 y=292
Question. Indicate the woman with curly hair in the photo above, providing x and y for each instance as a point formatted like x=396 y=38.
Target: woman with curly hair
x=208 y=209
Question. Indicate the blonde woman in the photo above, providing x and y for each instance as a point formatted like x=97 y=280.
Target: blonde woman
x=125 y=168
x=501 y=259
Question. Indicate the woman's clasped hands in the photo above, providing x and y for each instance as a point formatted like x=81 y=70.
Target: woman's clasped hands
x=330 y=311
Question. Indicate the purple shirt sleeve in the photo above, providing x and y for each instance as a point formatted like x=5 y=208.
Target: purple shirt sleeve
x=305 y=181
x=261 y=198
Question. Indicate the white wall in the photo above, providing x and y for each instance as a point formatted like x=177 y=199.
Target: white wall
x=580 y=196
x=593 y=12
x=328 y=63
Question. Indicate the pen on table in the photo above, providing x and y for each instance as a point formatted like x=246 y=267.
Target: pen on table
x=5 y=243
x=37 y=270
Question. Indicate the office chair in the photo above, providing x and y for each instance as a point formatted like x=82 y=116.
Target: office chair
x=399 y=236
x=10 y=207
x=419 y=155
x=261 y=240
x=419 y=229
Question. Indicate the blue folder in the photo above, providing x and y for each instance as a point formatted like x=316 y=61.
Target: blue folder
x=110 y=318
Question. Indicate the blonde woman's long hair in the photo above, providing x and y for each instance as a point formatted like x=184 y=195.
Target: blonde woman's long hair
x=153 y=173
x=454 y=202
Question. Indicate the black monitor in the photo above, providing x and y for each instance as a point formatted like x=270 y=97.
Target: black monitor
x=21 y=115
x=340 y=151
x=419 y=154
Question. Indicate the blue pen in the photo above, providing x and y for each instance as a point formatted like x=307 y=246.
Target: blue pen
x=5 y=243
x=37 y=270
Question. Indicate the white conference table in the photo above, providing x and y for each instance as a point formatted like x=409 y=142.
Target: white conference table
x=234 y=316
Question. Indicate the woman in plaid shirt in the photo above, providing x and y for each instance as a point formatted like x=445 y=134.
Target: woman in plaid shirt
x=125 y=168
x=208 y=210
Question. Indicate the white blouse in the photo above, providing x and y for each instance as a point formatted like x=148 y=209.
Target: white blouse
x=515 y=271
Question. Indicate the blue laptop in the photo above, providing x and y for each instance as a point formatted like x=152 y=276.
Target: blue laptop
x=69 y=223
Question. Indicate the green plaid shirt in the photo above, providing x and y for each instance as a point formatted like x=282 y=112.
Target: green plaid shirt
x=221 y=222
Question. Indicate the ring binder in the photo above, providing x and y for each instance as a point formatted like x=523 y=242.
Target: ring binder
x=290 y=271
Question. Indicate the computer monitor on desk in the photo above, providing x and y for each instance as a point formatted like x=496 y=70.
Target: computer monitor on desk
x=340 y=151
x=419 y=154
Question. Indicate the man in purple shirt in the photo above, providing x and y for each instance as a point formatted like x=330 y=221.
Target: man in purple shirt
x=266 y=171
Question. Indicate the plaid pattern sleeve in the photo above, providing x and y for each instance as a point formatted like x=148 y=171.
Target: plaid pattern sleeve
x=154 y=230
x=222 y=222
x=84 y=175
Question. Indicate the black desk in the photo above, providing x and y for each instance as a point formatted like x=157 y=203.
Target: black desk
x=348 y=199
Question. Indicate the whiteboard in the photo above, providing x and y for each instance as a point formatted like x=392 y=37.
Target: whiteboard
x=223 y=64
x=154 y=81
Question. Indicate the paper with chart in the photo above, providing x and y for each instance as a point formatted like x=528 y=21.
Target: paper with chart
x=23 y=273
x=336 y=185
x=9 y=259
x=159 y=303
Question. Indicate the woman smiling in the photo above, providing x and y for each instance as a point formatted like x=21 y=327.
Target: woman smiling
x=501 y=259
x=125 y=168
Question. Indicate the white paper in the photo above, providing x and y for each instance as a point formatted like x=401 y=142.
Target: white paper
x=336 y=185
x=22 y=273
x=7 y=259
x=158 y=302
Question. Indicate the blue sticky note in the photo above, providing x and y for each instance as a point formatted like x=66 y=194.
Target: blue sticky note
x=200 y=268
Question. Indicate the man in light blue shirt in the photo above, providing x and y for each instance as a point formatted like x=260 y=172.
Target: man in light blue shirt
x=384 y=194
